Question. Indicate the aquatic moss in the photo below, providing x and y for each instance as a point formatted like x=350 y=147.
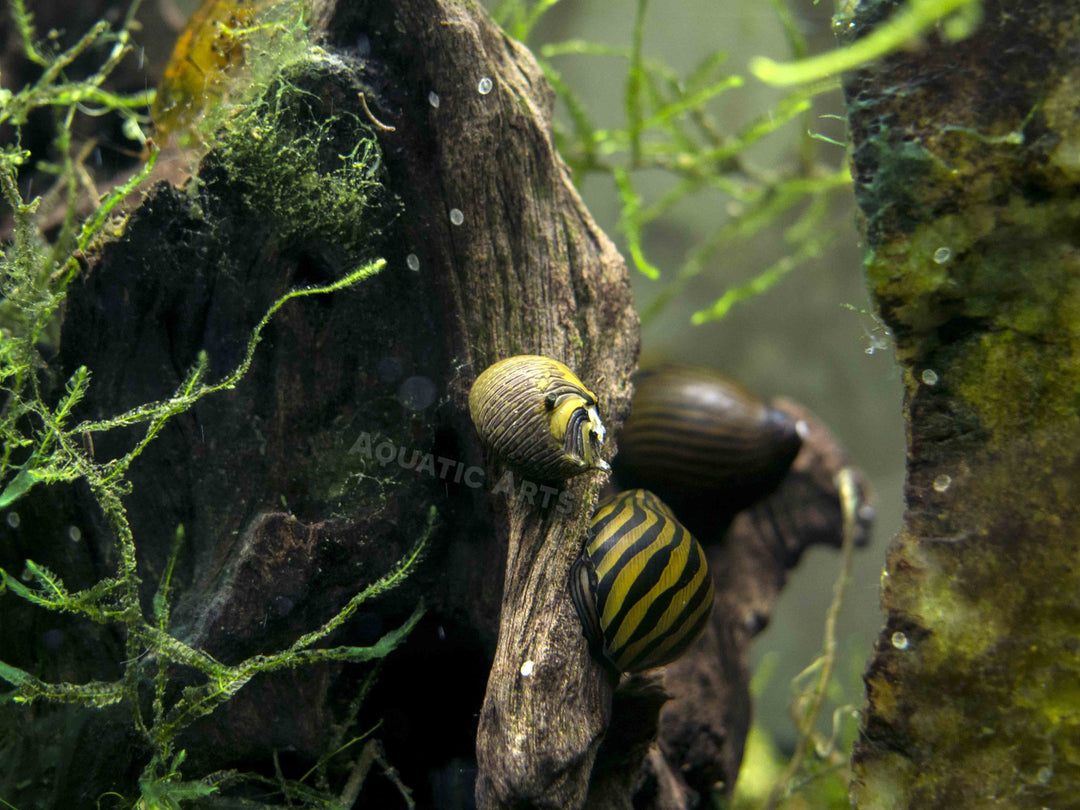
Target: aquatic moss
x=322 y=179
x=313 y=175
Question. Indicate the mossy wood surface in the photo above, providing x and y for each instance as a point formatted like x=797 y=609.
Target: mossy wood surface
x=526 y=272
x=966 y=157
x=371 y=147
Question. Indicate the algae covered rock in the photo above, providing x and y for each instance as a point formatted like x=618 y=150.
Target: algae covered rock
x=965 y=171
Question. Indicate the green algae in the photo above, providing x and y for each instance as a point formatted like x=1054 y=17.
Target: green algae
x=970 y=210
x=314 y=176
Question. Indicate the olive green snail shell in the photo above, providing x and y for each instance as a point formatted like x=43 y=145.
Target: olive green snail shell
x=642 y=587
x=538 y=417
x=693 y=429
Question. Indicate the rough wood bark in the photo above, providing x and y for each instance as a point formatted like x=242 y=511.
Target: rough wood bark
x=965 y=161
x=524 y=271
x=285 y=519
x=527 y=273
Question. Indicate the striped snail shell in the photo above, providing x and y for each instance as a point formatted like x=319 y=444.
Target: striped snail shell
x=538 y=417
x=693 y=429
x=642 y=587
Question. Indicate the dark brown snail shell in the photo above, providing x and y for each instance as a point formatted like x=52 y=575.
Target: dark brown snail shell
x=694 y=433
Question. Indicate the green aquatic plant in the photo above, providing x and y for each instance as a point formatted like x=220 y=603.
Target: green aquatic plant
x=816 y=774
x=668 y=127
x=34 y=273
x=45 y=445
x=958 y=17
x=57 y=455
x=309 y=174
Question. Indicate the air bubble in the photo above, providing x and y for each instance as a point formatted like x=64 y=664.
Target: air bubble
x=281 y=606
x=74 y=534
x=929 y=376
x=527 y=669
x=942 y=255
x=899 y=640
x=13 y=520
x=485 y=86
x=417 y=393
x=942 y=482
x=53 y=640
x=456 y=216
x=433 y=99
x=413 y=262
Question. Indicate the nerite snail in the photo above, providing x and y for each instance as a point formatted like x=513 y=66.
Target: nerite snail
x=642 y=587
x=693 y=431
x=538 y=417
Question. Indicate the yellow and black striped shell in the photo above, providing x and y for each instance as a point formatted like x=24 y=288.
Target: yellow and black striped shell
x=642 y=587
x=693 y=429
x=538 y=417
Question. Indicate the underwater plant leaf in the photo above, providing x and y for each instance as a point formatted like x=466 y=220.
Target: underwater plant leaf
x=168 y=793
x=691 y=102
x=29 y=689
x=634 y=81
x=161 y=596
x=538 y=10
x=631 y=206
x=355 y=655
x=905 y=25
x=17 y=487
x=385 y=583
x=763 y=281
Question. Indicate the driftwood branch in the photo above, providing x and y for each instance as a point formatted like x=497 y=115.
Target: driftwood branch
x=290 y=503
